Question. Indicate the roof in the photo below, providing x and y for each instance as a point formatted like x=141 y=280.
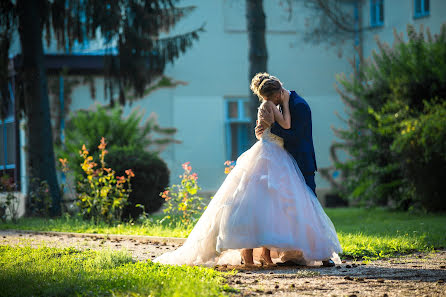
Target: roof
x=74 y=63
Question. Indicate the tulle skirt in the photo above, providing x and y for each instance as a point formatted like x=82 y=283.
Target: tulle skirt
x=263 y=202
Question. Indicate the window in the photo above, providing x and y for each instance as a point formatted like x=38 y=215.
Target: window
x=7 y=150
x=376 y=13
x=421 y=8
x=237 y=126
x=8 y=132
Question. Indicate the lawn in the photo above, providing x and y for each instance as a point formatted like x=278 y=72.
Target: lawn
x=364 y=233
x=25 y=271
x=379 y=233
x=151 y=226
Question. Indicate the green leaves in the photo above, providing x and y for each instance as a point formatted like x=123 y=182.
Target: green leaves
x=396 y=127
x=84 y=127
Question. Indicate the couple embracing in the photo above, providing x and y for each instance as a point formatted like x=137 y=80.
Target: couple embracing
x=268 y=201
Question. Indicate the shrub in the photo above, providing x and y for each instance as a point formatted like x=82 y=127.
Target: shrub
x=85 y=127
x=39 y=199
x=127 y=136
x=396 y=91
x=421 y=146
x=151 y=177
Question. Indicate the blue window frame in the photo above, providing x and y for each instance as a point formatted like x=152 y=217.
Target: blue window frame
x=421 y=8
x=376 y=13
x=9 y=157
x=7 y=143
x=8 y=136
x=237 y=126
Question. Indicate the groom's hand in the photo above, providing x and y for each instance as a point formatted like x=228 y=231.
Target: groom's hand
x=266 y=115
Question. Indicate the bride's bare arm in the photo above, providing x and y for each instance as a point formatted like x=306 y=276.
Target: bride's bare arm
x=283 y=119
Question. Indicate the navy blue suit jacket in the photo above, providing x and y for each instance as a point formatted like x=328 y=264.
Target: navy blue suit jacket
x=298 y=140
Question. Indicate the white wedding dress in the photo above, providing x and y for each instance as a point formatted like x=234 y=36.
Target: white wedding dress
x=264 y=201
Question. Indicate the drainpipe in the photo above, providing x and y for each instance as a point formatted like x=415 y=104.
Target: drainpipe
x=62 y=118
x=11 y=95
x=16 y=124
x=5 y=145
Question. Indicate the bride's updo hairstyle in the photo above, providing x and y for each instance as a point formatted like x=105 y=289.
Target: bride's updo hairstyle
x=264 y=85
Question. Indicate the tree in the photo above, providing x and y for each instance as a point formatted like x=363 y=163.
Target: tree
x=332 y=20
x=131 y=27
x=258 y=54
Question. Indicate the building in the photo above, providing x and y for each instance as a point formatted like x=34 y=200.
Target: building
x=208 y=103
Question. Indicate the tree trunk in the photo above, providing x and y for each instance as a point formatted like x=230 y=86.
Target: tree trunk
x=37 y=110
x=258 y=55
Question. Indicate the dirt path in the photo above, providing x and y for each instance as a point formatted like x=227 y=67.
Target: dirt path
x=419 y=274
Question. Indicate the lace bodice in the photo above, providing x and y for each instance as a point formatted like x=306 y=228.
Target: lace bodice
x=271 y=137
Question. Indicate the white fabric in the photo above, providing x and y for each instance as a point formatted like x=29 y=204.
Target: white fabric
x=264 y=201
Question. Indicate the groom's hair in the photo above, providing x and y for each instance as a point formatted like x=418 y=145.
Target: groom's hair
x=264 y=85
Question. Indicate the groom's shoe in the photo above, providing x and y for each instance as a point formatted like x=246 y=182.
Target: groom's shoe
x=288 y=263
x=328 y=263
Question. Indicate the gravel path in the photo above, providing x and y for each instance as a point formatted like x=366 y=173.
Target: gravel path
x=418 y=274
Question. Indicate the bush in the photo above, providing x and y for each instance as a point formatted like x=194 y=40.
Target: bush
x=396 y=131
x=151 y=178
x=422 y=148
x=86 y=127
x=128 y=140
x=39 y=199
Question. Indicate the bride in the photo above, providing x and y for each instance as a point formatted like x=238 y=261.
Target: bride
x=265 y=203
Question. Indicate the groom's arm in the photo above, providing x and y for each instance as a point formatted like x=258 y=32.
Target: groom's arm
x=300 y=113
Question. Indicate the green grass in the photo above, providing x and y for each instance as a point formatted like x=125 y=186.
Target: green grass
x=379 y=233
x=150 y=226
x=25 y=271
x=364 y=233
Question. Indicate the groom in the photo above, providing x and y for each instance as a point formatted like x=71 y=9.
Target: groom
x=298 y=140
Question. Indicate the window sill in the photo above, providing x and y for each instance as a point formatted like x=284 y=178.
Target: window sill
x=376 y=26
x=421 y=16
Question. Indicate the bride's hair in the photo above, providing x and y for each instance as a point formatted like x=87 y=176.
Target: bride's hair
x=264 y=85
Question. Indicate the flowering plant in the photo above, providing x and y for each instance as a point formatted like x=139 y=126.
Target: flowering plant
x=229 y=166
x=182 y=200
x=101 y=195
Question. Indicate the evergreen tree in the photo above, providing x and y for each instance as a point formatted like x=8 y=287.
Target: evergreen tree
x=133 y=27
